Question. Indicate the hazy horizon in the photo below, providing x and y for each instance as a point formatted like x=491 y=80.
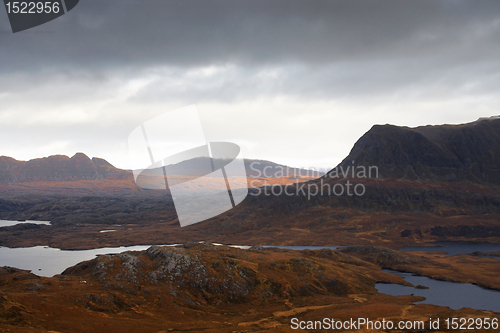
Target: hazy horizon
x=321 y=168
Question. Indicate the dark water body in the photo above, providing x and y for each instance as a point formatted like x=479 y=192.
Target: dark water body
x=453 y=248
x=444 y=293
x=304 y=247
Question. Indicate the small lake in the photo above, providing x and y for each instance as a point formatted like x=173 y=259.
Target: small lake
x=444 y=293
x=453 y=248
x=5 y=223
x=304 y=247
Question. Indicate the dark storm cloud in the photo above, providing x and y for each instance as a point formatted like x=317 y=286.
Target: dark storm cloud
x=118 y=33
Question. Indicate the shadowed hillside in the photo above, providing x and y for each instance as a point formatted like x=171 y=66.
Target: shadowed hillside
x=449 y=153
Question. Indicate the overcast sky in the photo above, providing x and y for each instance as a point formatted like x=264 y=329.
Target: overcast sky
x=295 y=82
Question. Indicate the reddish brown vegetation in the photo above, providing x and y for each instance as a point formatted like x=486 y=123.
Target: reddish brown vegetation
x=200 y=287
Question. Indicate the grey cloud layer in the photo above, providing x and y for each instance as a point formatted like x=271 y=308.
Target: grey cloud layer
x=103 y=34
x=317 y=49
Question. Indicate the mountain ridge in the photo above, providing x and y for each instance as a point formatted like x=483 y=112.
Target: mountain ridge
x=81 y=167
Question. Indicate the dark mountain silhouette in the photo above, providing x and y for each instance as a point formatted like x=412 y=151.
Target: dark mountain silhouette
x=450 y=153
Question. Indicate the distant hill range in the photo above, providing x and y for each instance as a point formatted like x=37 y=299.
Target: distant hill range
x=81 y=167
x=435 y=183
x=255 y=169
x=450 y=153
x=58 y=168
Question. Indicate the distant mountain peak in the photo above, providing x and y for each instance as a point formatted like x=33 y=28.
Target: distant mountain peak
x=80 y=156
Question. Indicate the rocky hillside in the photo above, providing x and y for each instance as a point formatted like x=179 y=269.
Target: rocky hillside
x=58 y=168
x=192 y=287
x=198 y=274
x=450 y=153
x=200 y=287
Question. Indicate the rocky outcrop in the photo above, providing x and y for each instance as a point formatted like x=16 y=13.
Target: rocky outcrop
x=207 y=274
